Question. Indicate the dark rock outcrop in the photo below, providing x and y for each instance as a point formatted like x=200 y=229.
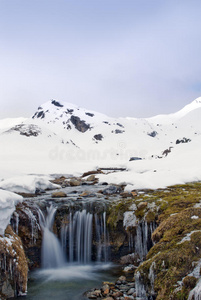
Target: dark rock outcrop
x=153 y=133
x=56 y=103
x=14 y=267
x=79 y=124
x=98 y=137
x=89 y=114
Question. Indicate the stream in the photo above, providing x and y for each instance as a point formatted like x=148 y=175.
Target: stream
x=77 y=259
x=69 y=282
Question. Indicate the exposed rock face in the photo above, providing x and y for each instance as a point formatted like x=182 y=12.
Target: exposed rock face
x=135 y=158
x=41 y=115
x=26 y=225
x=27 y=130
x=89 y=114
x=56 y=103
x=80 y=125
x=153 y=133
x=184 y=140
x=98 y=137
x=119 y=131
x=14 y=266
x=112 y=190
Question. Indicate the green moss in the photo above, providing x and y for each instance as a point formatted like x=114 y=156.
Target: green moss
x=151 y=216
x=116 y=211
x=173 y=259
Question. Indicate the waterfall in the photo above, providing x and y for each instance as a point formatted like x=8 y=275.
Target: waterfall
x=101 y=237
x=52 y=254
x=82 y=231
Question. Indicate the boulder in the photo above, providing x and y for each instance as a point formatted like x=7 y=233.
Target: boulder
x=87 y=194
x=142 y=205
x=91 y=178
x=59 y=195
x=75 y=182
x=112 y=189
x=126 y=195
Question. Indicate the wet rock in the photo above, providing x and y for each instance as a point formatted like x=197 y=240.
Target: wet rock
x=91 y=178
x=7 y=290
x=126 y=195
x=112 y=189
x=129 y=298
x=133 y=193
x=14 y=267
x=87 y=194
x=59 y=195
x=142 y=205
x=129 y=268
x=73 y=192
x=131 y=291
x=92 y=172
x=91 y=296
x=97 y=293
x=75 y=182
x=117 y=294
x=127 y=259
x=106 y=289
x=39 y=191
x=122 y=279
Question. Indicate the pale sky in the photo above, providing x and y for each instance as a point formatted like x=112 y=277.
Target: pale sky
x=133 y=58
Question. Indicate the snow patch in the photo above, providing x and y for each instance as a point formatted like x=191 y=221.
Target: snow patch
x=188 y=236
x=8 y=200
x=27 y=184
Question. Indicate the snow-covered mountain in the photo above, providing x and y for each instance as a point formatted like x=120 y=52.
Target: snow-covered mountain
x=64 y=138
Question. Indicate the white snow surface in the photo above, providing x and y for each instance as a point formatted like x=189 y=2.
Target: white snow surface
x=27 y=184
x=8 y=200
x=51 y=143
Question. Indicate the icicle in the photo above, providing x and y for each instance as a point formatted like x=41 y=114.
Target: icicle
x=151 y=276
x=16 y=222
x=140 y=288
x=34 y=224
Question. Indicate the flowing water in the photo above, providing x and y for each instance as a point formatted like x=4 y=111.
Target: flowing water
x=77 y=258
x=67 y=268
x=69 y=282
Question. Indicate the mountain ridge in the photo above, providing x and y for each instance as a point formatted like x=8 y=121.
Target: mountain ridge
x=64 y=138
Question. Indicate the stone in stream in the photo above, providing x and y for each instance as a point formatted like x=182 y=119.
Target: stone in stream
x=131 y=291
x=59 y=195
x=112 y=189
x=91 y=178
x=75 y=182
x=88 y=194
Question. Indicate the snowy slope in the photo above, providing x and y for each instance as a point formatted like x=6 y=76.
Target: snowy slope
x=167 y=119
x=10 y=122
x=63 y=138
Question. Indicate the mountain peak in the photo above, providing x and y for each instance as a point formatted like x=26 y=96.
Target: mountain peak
x=197 y=100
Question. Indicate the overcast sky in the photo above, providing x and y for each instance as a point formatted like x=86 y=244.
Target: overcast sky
x=133 y=58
